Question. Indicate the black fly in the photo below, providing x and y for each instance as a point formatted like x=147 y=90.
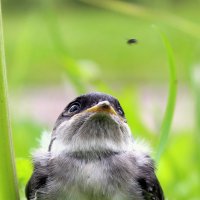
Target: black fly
x=131 y=41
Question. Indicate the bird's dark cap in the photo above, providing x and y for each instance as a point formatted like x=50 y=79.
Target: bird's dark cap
x=86 y=101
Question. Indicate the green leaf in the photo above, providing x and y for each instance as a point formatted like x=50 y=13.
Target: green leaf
x=8 y=182
x=171 y=102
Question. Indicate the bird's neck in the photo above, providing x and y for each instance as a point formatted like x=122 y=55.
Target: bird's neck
x=92 y=155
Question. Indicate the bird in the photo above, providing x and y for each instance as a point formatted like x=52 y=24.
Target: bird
x=92 y=155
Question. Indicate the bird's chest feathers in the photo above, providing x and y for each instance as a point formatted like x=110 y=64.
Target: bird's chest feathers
x=85 y=175
x=91 y=174
x=79 y=180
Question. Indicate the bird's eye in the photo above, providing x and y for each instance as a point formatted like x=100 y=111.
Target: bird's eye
x=74 y=108
x=120 y=111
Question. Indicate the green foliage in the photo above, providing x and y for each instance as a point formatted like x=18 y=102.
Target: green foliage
x=97 y=35
x=30 y=132
x=178 y=168
x=24 y=171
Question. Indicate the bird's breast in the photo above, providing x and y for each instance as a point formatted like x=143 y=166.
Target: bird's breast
x=108 y=179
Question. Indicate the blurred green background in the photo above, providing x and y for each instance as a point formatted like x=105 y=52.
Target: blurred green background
x=56 y=50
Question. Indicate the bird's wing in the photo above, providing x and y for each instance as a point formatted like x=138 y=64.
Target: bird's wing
x=36 y=182
x=150 y=186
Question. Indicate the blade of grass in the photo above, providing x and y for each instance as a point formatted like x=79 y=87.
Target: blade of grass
x=195 y=83
x=8 y=182
x=171 y=101
x=142 y=12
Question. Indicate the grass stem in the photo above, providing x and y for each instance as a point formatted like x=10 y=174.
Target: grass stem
x=8 y=181
x=169 y=111
x=142 y=12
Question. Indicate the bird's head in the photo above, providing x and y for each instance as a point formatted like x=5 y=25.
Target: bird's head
x=91 y=122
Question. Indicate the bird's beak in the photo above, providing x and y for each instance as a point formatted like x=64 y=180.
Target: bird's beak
x=103 y=106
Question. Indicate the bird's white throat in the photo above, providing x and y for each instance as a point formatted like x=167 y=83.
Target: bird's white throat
x=98 y=133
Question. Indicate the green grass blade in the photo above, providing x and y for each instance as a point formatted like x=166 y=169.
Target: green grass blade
x=142 y=12
x=8 y=183
x=194 y=78
x=169 y=111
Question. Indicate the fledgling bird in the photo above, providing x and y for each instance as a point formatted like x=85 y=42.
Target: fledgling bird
x=93 y=156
